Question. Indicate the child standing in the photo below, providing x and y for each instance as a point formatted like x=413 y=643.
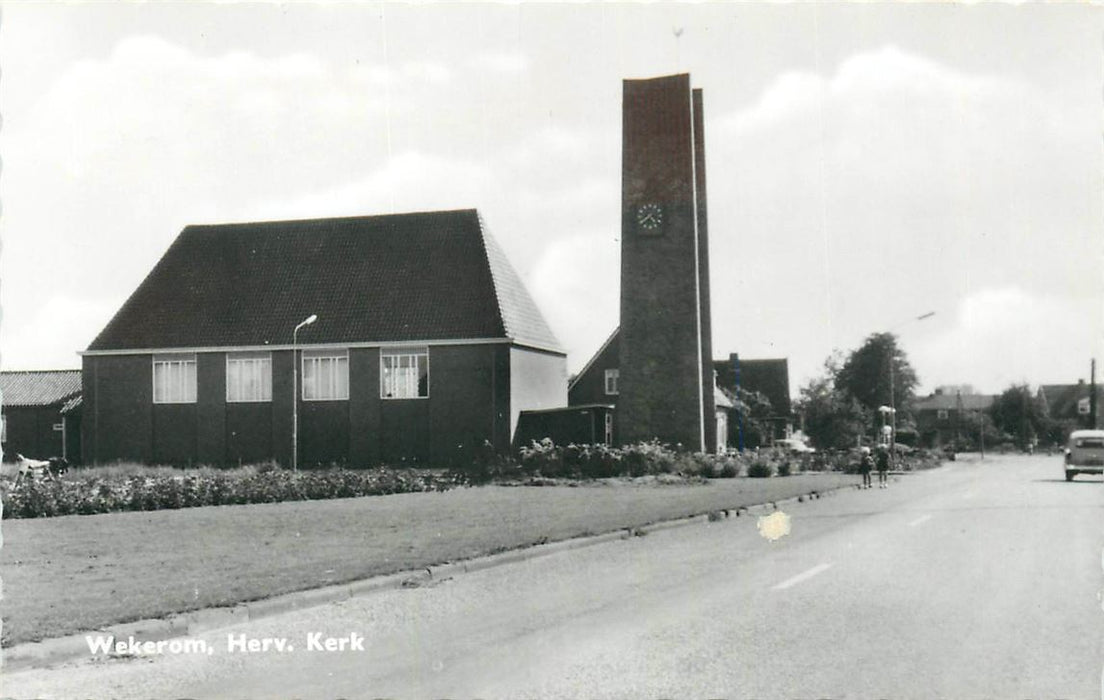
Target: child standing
x=866 y=465
x=883 y=467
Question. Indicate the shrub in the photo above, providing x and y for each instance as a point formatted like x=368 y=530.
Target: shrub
x=785 y=468
x=122 y=490
x=730 y=469
x=760 y=469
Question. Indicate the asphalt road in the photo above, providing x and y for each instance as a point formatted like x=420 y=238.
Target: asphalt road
x=978 y=580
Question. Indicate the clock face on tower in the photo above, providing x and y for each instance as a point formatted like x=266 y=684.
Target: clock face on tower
x=649 y=217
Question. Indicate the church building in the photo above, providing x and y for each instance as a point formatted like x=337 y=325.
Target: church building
x=406 y=338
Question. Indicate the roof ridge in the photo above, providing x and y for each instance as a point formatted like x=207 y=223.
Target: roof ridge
x=312 y=220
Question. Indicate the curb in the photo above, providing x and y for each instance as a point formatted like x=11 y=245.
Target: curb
x=51 y=652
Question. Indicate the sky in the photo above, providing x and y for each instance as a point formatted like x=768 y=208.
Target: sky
x=866 y=163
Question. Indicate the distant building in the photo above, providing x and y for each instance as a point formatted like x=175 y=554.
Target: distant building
x=426 y=346
x=943 y=416
x=41 y=413
x=771 y=378
x=1070 y=402
x=599 y=384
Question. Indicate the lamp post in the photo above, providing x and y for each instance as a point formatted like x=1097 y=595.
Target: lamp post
x=892 y=398
x=295 y=391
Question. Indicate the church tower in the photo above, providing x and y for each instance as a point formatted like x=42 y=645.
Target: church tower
x=666 y=369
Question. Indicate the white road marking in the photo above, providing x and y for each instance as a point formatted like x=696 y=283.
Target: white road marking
x=921 y=520
x=790 y=582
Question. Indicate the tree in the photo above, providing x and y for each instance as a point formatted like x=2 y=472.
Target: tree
x=753 y=419
x=878 y=374
x=832 y=417
x=1020 y=414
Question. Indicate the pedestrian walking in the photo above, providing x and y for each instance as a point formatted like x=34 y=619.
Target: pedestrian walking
x=882 y=461
x=866 y=465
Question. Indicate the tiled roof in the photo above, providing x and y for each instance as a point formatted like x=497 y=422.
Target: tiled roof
x=39 y=388
x=520 y=315
x=950 y=402
x=1062 y=398
x=395 y=278
x=771 y=377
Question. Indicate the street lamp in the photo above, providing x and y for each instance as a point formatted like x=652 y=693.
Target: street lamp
x=295 y=391
x=892 y=398
x=887 y=431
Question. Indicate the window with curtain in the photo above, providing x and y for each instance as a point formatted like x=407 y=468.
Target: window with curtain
x=174 y=379
x=612 y=375
x=325 y=376
x=248 y=377
x=404 y=374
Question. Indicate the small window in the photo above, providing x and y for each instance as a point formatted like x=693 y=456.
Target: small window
x=325 y=375
x=612 y=375
x=174 y=379
x=1084 y=406
x=942 y=414
x=1097 y=443
x=248 y=377
x=404 y=374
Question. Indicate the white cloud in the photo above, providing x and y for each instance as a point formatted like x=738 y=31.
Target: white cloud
x=1006 y=335
x=575 y=284
x=894 y=186
x=509 y=62
x=50 y=334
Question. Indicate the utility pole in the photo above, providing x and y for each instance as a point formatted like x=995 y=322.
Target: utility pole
x=1092 y=396
x=739 y=413
x=981 y=432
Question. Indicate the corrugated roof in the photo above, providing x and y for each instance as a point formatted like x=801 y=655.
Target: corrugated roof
x=394 y=278
x=39 y=388
x=72 y=404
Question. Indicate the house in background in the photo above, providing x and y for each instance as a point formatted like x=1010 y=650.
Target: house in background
x=598 y=384
x=943 y=416
x=1070 y=402
x=426 y=346
x=771 y=378
x=41 y=413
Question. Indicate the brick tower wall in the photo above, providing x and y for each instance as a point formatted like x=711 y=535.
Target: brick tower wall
x=661 y=368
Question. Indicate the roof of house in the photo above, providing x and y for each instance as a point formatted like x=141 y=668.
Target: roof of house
x=950 y=402
x=1062 y=398
x=770 y=377
x=394 y=278
x=39 y=388
x=613 y=338
x=72 y=404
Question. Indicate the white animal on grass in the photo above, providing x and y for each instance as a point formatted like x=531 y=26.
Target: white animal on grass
x=26 y=468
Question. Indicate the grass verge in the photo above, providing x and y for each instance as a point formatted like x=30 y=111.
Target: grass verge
x=72 y=573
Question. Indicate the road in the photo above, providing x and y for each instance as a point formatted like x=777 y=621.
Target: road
x=977 y=580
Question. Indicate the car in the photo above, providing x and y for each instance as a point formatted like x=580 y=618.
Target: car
x=794 y=445
x=1084 y=453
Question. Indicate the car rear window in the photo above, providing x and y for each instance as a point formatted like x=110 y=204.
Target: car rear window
x=1089 y=442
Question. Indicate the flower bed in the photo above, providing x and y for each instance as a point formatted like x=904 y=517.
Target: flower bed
x=86 y=494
